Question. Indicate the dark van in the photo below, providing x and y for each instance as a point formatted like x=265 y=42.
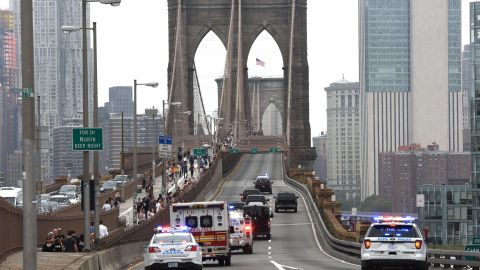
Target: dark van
x=286 y=201
x=260 y=216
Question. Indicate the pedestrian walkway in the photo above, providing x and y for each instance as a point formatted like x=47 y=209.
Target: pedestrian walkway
x=126 y=209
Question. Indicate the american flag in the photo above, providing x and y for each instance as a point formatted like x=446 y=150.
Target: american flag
x=260 y=62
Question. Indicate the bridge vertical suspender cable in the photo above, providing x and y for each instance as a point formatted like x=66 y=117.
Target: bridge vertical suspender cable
x=224 y=108
x=174 y=67
x=290 y=74
x=240 y=108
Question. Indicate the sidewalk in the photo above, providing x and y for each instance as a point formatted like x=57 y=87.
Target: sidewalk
x=126 y=207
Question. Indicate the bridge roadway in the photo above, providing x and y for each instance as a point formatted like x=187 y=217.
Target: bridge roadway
x=293 y=244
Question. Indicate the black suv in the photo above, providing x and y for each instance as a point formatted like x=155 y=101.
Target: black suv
x=286 y=201
x=247 y=192
x=260 y=216
x=264 y=184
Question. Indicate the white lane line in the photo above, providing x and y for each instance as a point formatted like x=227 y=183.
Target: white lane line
x=283 y=267
x=251 y=169
x=269 y=248
x=269 y=257
x=269 y=253
x=290 y=224
x=313 y=227
x=270 y=240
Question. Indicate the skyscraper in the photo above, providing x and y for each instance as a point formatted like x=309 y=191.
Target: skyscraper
x=343 y=127
x=410 y=79
x=467 y=91
x=475 y=114
x=121 y=100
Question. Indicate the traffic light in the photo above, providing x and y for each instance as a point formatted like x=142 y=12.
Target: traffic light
x=92 y=195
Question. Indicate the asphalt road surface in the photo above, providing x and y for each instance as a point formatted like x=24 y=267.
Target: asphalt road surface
x=293 y=244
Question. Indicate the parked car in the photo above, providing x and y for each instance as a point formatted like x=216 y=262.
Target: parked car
x=73 y=197
x=121 y=180
x=67 y=189
x=54 y=206
x=44 y=197
x=61 y=199
x=108 y=186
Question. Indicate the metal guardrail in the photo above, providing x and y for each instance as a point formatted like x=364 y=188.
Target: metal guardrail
x=436 y=257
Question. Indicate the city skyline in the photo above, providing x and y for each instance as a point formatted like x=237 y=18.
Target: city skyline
x=150 y=60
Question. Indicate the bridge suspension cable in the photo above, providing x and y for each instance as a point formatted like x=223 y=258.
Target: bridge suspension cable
x=199 y=107
x=240 y=113
x=224 y=108
x=290 y=73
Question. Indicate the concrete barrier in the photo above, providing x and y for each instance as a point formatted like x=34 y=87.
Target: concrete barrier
x=114 y=258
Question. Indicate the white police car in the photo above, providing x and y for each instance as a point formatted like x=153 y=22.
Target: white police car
x=173 y=248
x=394 y=241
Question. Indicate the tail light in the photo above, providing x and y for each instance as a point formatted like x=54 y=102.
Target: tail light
x=192 y=248
x=418 y=244
x=248 y=228
x=153 y=249
x=367 y=244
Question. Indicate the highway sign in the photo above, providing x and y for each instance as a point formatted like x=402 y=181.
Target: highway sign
x=254 y=150
x=420 y=200
x=165 y=140
x=199 y=151
x=273 y=149
x=87 y=139
x=233 y=150
x=476 y=240
x=354 y=211
x=475 y=248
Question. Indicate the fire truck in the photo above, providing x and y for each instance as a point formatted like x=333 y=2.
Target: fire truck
x=209 y=224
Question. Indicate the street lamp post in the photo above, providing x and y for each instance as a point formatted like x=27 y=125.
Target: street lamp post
x=135 y=146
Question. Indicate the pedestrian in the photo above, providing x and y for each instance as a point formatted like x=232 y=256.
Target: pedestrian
x=48 y=245
x=92 y=227
x=107 y=206
x=81 y=242
x=70 y=242
x=191 y=171
x=57 y=244
x=146 y=206
x=153 y=206
x=103 y=230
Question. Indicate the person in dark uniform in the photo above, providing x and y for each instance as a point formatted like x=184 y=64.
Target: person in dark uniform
x=70 y=242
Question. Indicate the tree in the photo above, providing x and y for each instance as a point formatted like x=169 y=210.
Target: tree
x=375 y=203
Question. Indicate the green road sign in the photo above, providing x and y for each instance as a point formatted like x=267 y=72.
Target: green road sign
x=476 y=241
x=475 y=248
x=233 y=150
x=87 y=139
x=199 y=151
x=273 y=149
x=27 y=92
x=254 y=150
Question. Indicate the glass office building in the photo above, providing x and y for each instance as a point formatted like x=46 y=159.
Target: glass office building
x=447 y=214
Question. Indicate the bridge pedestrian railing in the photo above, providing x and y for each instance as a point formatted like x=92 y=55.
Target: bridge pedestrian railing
x=144 y=231
x=437 y=258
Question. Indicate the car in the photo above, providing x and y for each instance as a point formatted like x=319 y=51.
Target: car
x=286 y=201
x=67 y=189
x=44 y=208
x=73 y=197
x=256 y=200
x=394 y=241
x=247 y=192
x=235 y=205
x=240 y=231
x=54 y=206
x=263 y=183
x=121 y=180
x=261 y=220
x=44 y=197
x=108 y=186
x=61 y=199
x=173 y=248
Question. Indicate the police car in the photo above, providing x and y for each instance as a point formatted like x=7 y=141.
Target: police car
x=173 y=248
x=394 y=241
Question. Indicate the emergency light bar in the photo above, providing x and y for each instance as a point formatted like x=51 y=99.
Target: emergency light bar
x=180 y=229
x=231 y=207
x=381 y=219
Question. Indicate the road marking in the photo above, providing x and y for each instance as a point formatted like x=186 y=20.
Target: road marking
x=269 y=248
x=290 y=224
x=313 y=227
x=251 y=169
x=283 y=267
x=269 y=253
x=135 y=265
x=269 y=257
x=270 y=240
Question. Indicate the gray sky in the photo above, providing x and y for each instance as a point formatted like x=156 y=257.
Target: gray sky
x=133 y=44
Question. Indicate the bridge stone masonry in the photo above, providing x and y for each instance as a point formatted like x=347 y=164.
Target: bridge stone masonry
x=238 y=23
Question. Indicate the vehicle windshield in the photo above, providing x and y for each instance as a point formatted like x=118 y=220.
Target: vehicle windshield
x=251 y=191
x=171 y=238
x=286 y=196
x=10 y=200
x=68 y=188
x=256 y=199
x=59 y=199
x=109 y=184
x=392 y=230
x=257 y=211
x=71 y=195
x=121 y=178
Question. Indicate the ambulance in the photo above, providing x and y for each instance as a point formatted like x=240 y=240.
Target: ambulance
x=209 y=225
x=241 y=235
